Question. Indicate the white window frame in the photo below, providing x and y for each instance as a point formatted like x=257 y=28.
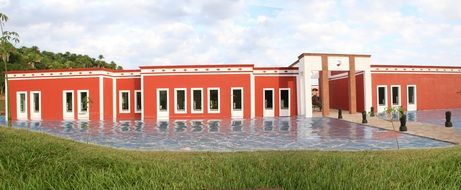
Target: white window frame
x=192 y=110
x=21 y=115
x=176 y=101
x=412 y=107
x=120 y=101
x=136 y=101
x=284 y=112
x=166 y=113
x=399 y=98
x=237 y=113
x=35 y=115
x=268 y=112
x=219 y=100
x=65 y=114
x=381 y=108
x=83 y=115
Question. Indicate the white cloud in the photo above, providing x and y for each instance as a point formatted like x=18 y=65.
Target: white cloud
x=142 y=32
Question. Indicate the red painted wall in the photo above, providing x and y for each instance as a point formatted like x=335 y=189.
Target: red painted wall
x=51 y=95
x=108 y=112
x=224 y=81
x=339 y=93
x=433 y=91
x=275 y=82
x=130 y=84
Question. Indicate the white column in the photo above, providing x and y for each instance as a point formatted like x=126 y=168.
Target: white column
x=306 y=75
x=114 y=98
x=367 y=89
x=142 y=97
x=252 y=94
x=298 y=94
x=101 y=98
x=6 y=99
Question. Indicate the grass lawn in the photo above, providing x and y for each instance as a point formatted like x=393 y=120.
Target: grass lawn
x=30 y=160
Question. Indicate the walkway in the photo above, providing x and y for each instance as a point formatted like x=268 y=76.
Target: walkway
x=438 y=132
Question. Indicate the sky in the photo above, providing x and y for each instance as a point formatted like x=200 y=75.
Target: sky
x=265 y=33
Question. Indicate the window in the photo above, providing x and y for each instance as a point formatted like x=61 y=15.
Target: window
x=36 y=102
x=22 y=102
x=284 y=99
x=213 y=100
x=180 y=100
x=84 y=101
x=268 y=99
x=382 y=96
x=395 y=95
x=124 y=101
x=197 y=100
x=138 y=101
x=163 y=100
x=69 y=102
x=237 y=99
x=411 y=95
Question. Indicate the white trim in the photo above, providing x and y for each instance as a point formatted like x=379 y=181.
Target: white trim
x=268 y=112
x=35 y=115
x=381 y=108
x=6 y=100
x=101 y=98
x=237 y=113
x=120 y=101
x=114 y=98
x=21 y=115
x=412 y=107
x=185 y=74
x=142 y=97
x=56 y=77
x=413 y=73
x=192 y=110
x=83 y=114
x=399 y=96
x=163 y=114
x=284 y=112
x=252 y=96
x=209 y=100
x=68 y=115
x=136 y=101
x=176 y=111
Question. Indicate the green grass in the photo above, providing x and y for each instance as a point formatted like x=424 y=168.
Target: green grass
x=30 y=160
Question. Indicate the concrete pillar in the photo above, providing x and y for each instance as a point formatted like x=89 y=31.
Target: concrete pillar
x=325 y=87
x=305 y=74
x=352 y=86
x=367 y=89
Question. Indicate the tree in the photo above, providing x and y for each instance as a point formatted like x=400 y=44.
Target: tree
x=7 y=42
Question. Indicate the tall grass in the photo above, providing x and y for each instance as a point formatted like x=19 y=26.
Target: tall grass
x=38 y=161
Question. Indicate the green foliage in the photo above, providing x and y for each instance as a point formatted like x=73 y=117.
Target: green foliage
x=32 y=160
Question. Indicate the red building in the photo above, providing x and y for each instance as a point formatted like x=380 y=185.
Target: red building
x=346 y=81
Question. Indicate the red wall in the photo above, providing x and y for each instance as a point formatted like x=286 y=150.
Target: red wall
x=275 y=82
x=51 y=95
x=108 y=112
x=130 y=84
x=433 y=91
x=339 y=93
x=224 y=81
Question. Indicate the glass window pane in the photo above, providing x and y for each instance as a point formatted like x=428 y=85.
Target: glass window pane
x=36 y=98
x=181 y=100
x=138 y=101
x=381 y=96
x=214 y=100
x=163 y=100
x=84 y=101
x=22 y=102
x=411 y=95
x=268 y=99
x=237 y=99
x=197 y=104
x=125 y=101
x=284 y=99
x=69 y=103
x=395 y=95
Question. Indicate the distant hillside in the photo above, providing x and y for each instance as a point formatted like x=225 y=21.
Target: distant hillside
x=31 y=58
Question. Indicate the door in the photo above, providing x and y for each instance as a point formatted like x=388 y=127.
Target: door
x=83 y=104
x=21 y=105
x=268 y=104
x=237 y=102
x=381 y=98
x=68 y=104
x=284 y=101
x=395 y=96
x=162 y=103
x=411 y=98
x=35 y=105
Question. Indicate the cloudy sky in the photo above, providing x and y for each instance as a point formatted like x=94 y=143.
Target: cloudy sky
x=265 y=33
